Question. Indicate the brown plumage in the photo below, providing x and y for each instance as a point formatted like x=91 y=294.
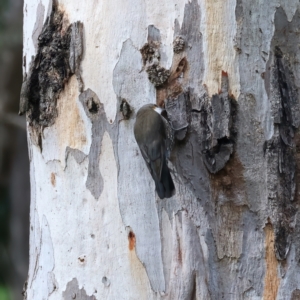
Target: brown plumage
x=150 y=134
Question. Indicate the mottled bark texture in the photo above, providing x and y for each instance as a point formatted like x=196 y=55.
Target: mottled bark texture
x=228 y=75
x=58 y=58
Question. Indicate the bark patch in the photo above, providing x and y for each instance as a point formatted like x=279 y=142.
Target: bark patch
x=218 y=130
x=214 y=119
x=168 y=83
x=281 y=150
x=272 y=280
x=125 y=109
x=229 y=231
x=230 y=180
x=95 y=111
x=178 y=44
x=158 y=75
x=73 y=292
x=53 y=179
x=295 y=295
x=58 y=57
x=131 y=239
x=77 y=154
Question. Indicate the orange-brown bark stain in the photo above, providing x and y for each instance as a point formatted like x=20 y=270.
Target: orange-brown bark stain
x=131 y=239
x=272 y=279
x=53 y=179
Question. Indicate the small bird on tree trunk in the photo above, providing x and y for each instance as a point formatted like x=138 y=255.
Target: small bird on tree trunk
x=151 y=134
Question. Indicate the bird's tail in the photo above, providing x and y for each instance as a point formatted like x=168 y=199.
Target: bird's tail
x=165 y=187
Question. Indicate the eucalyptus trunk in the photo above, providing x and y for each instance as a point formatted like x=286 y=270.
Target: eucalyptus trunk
x=227 y=73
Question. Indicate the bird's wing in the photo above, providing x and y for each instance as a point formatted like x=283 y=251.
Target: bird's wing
x=153 y=162
x=145 y=154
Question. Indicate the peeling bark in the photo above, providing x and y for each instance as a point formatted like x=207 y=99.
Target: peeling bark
x=227 y=75
x=73 y=292
x=272 y=280
x=58 y=57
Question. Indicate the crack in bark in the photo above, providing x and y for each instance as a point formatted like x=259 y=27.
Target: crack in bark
x=280 y=150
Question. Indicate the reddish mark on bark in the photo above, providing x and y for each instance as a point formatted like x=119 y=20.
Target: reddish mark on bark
x=131 y=238
x=82 y=259
x=224 y=73
x=53 y=179
x=272 y=280
x=224 y=84
x=231 y=95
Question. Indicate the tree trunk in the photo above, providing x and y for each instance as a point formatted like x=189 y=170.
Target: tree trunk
x=228 y=75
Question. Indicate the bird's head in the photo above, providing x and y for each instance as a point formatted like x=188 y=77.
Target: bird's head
x=152 y=106
x=158 y=109
x=147 y=108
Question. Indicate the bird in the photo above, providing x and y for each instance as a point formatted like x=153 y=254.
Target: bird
x=151 y=134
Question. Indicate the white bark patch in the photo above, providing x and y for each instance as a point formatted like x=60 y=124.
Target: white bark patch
x=219 y=29
x=166 y=239
x=35 y=234
x=51 y=283
x=290 y=8
x=137 y=191
x=128 y=81
x=138 y=207
x=40 y=14
x=35 y=239
x=89 y=238
x=44 y=282
x=71 y=129
x=34 y=23
x=188 y=275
